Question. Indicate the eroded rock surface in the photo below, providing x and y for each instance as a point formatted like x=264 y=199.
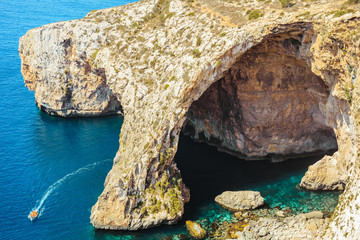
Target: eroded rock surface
x=157 y=58
x=64 y=80
x=195 y=230
x=268 y=105
x=294 y=227
x=240 y=200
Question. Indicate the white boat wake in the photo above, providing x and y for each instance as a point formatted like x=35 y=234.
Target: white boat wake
x=39 y=207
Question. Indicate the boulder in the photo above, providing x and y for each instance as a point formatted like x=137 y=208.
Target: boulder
x=195 y=230
x=239 y=200
x=314 y=214
x=280 y=214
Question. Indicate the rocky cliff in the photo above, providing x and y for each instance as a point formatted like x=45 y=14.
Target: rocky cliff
x=258 y=79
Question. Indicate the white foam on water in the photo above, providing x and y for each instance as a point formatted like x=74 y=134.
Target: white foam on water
x=39 y=207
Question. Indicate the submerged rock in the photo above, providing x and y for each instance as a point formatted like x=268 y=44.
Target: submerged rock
x=195 y=230
x=240 y=200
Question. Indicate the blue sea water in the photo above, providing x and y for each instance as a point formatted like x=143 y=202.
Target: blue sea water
x=59 y=165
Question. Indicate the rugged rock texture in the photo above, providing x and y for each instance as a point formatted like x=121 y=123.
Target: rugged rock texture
x=325 y=175
x=157 y=58
x=268 y=105
x=331 y=172
x=265 y=224
x=240 y=200
x=65 y=82
x=294 y=227
x=195 y=230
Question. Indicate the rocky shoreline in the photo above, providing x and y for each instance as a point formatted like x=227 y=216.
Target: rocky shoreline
x=264 y=224
x=303 y=226
x=260 y=223
x=280 y=84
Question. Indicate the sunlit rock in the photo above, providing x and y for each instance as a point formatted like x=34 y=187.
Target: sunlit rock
x=276 y=83
x=240 y=200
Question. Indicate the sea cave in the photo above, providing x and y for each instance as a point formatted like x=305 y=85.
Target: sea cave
x=268 y=105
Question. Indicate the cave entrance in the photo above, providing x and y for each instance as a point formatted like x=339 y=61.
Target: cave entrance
x=208 y=172
x=268 y=106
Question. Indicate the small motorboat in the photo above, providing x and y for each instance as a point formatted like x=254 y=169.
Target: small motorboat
x=33 y=214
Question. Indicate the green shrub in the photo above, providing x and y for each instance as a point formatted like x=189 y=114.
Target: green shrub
x=198 y=41
x=93 y=56
x=255 y=14
x=222 y=34
x=286 y=3
x=196 y=53
x=146 y=146
x=349 y=93
x=161 y=158
x=352 y=1
x=175 y=204
x=343 y=11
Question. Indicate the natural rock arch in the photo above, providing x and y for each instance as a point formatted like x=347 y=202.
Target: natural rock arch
x=159 y=57
x=162 y=177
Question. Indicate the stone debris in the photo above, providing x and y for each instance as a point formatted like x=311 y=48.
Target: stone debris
x=280 y=213
x=195 y=230
x=240 y=200
x=302 y=226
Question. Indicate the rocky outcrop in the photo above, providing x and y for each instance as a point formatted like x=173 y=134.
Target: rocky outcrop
x=240 y=200
x=64 y=80
x=162 y=59
x=324 y=176
x=195 y=230
x=331 y=172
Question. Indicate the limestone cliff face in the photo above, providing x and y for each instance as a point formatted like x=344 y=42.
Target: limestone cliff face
x=281 y=85
x=268 y=105
x=65 y=81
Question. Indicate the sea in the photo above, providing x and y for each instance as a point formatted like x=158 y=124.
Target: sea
x=58 y=166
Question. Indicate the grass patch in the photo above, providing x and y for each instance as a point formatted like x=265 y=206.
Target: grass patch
x=93 y=56
x=305 y=15
x=196 y=53
x=349 y=93
x=159 y=14
x=198 y=41
x=343 y=11
x=286 y=3
x=255 y=14
x=352 y=2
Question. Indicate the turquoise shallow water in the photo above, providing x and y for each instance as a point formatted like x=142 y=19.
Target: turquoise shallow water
x=59 y=165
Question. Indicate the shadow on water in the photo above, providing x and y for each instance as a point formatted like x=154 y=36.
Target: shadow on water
x=208 y=172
